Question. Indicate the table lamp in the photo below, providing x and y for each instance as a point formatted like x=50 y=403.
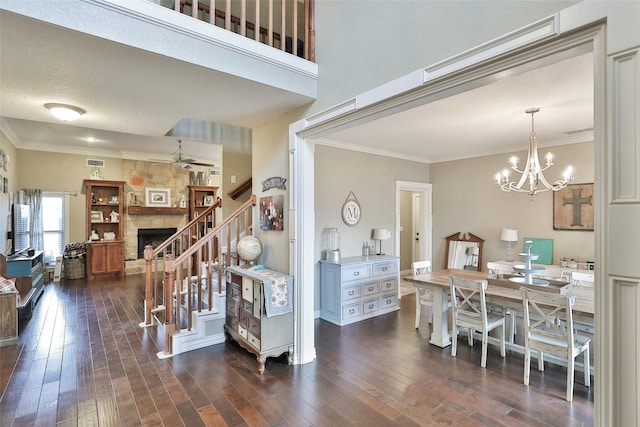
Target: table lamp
x=380 y=234
x=509 y=235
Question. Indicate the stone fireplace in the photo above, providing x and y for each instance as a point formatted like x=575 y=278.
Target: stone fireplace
x=153 y=237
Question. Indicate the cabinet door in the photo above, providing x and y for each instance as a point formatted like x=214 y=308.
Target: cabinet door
x=97 y=257
x=114 y=257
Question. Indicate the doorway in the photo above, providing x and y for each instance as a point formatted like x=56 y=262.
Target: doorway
x=413 y=238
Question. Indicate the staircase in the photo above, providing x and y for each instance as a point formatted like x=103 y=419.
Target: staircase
x=185 y=282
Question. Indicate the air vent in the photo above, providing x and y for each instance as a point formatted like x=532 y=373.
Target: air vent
x=575 y=131
x=95 y=163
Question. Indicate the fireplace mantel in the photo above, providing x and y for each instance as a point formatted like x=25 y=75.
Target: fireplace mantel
x=145 y=210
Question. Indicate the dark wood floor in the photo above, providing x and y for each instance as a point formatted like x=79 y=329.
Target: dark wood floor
x=82 y=360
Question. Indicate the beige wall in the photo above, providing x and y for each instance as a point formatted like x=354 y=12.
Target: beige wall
x=11 y=174
x=239 y=165
x=465 y=198
x=372 y=179
x=64 y=172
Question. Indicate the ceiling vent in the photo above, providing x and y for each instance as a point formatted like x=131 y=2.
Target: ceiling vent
x=95 y=163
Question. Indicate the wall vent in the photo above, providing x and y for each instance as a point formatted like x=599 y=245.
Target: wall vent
x=95 y=163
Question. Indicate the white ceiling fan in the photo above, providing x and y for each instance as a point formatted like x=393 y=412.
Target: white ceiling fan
x=184 y=161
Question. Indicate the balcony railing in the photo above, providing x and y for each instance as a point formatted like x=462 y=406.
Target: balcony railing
x=275 y=23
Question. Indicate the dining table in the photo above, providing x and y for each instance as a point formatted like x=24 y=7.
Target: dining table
x=502 y=294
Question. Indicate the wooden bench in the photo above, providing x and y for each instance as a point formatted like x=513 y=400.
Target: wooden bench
x=13 y=306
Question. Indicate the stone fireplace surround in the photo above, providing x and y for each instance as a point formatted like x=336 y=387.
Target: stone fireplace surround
x=139 y=175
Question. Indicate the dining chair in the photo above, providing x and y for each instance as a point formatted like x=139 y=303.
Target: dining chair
x=579 y=278
x=497 y=269
x=470 y=311
x=543 y=335
x=424 y=297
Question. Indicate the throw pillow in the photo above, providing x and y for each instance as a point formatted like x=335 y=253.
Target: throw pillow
x=8 y=285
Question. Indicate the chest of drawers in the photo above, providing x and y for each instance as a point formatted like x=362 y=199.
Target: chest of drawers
x=247 y=320
x=358 y=288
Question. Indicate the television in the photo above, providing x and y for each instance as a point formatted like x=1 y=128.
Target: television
x=20 y=229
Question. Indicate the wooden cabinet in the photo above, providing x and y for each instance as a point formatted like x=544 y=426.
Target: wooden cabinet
x=250 y=322
x=105 y=232
x=105 y=258
x=200 y=198
x=358 y=288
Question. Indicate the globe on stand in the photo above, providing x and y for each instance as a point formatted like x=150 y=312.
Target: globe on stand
x=249 y=248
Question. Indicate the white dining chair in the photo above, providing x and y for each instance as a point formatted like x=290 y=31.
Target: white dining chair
x=543 y=335
x=470 y=311
x=424 y=297
x=497 y=269
x=579 y=278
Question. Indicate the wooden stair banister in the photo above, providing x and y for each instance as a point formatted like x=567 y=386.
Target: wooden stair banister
x=186 y=265
x=240 y=189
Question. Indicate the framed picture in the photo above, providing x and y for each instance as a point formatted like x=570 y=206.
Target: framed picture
x=158 y=197
x=113 y=200
x=96 y=216
x=271 y=213
x=207 y=201
x=573 y=208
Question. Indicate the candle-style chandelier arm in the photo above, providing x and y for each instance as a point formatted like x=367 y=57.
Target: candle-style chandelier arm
x=532 y=172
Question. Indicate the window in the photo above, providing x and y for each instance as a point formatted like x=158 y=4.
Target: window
x=53 y=225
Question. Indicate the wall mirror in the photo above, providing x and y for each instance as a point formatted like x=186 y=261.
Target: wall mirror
x=464 y=251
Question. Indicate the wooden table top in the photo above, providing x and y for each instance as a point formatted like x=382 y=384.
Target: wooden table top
x=584 y=295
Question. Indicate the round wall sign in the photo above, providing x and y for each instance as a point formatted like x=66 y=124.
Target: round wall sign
x=351 y=211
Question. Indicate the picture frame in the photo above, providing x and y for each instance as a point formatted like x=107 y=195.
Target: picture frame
x=158 y=197
x=207 y=201
x=96 y=216
x=113 y=200
x=573 y=208
x=272 y=213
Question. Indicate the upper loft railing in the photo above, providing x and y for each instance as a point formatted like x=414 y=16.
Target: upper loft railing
x=293 y=20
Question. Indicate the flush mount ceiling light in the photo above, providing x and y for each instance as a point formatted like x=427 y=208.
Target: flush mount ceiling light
x=64 y=112
x=532 y=180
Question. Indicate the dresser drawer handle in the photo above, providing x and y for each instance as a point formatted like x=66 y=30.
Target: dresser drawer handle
x=351 y=292
x=352 y=310
x=388 y=285
x=371 y=288
x=371 y=306
x=356 y=273
x=389 y=300
x=385 y=268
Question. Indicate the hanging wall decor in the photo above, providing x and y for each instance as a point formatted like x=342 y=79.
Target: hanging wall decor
x=573 y=208
x=274 y=182
x=351 y=210
x=271 y=213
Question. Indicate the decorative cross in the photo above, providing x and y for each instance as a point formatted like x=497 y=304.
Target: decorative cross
x=576 y=202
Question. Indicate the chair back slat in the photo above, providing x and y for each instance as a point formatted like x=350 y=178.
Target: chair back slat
x=468 y=300
x=421 y=267
x=579 y=278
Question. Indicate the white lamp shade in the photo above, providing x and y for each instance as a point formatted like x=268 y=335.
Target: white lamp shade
x=509 y=235
x=381 y=234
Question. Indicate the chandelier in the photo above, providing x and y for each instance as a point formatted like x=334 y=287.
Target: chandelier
x=532 y=180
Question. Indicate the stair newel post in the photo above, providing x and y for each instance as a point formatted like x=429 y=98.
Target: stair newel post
x=149 y=301
x=169 y=287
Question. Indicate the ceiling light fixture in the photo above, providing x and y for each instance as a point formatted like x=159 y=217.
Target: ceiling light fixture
x=532 y=172
x=64 y=112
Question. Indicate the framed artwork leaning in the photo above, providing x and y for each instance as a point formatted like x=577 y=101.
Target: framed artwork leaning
x=573 y=208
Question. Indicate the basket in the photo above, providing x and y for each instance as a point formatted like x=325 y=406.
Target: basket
x=73 y=268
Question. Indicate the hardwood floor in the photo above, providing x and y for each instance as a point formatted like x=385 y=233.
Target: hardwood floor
x=82 y=360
